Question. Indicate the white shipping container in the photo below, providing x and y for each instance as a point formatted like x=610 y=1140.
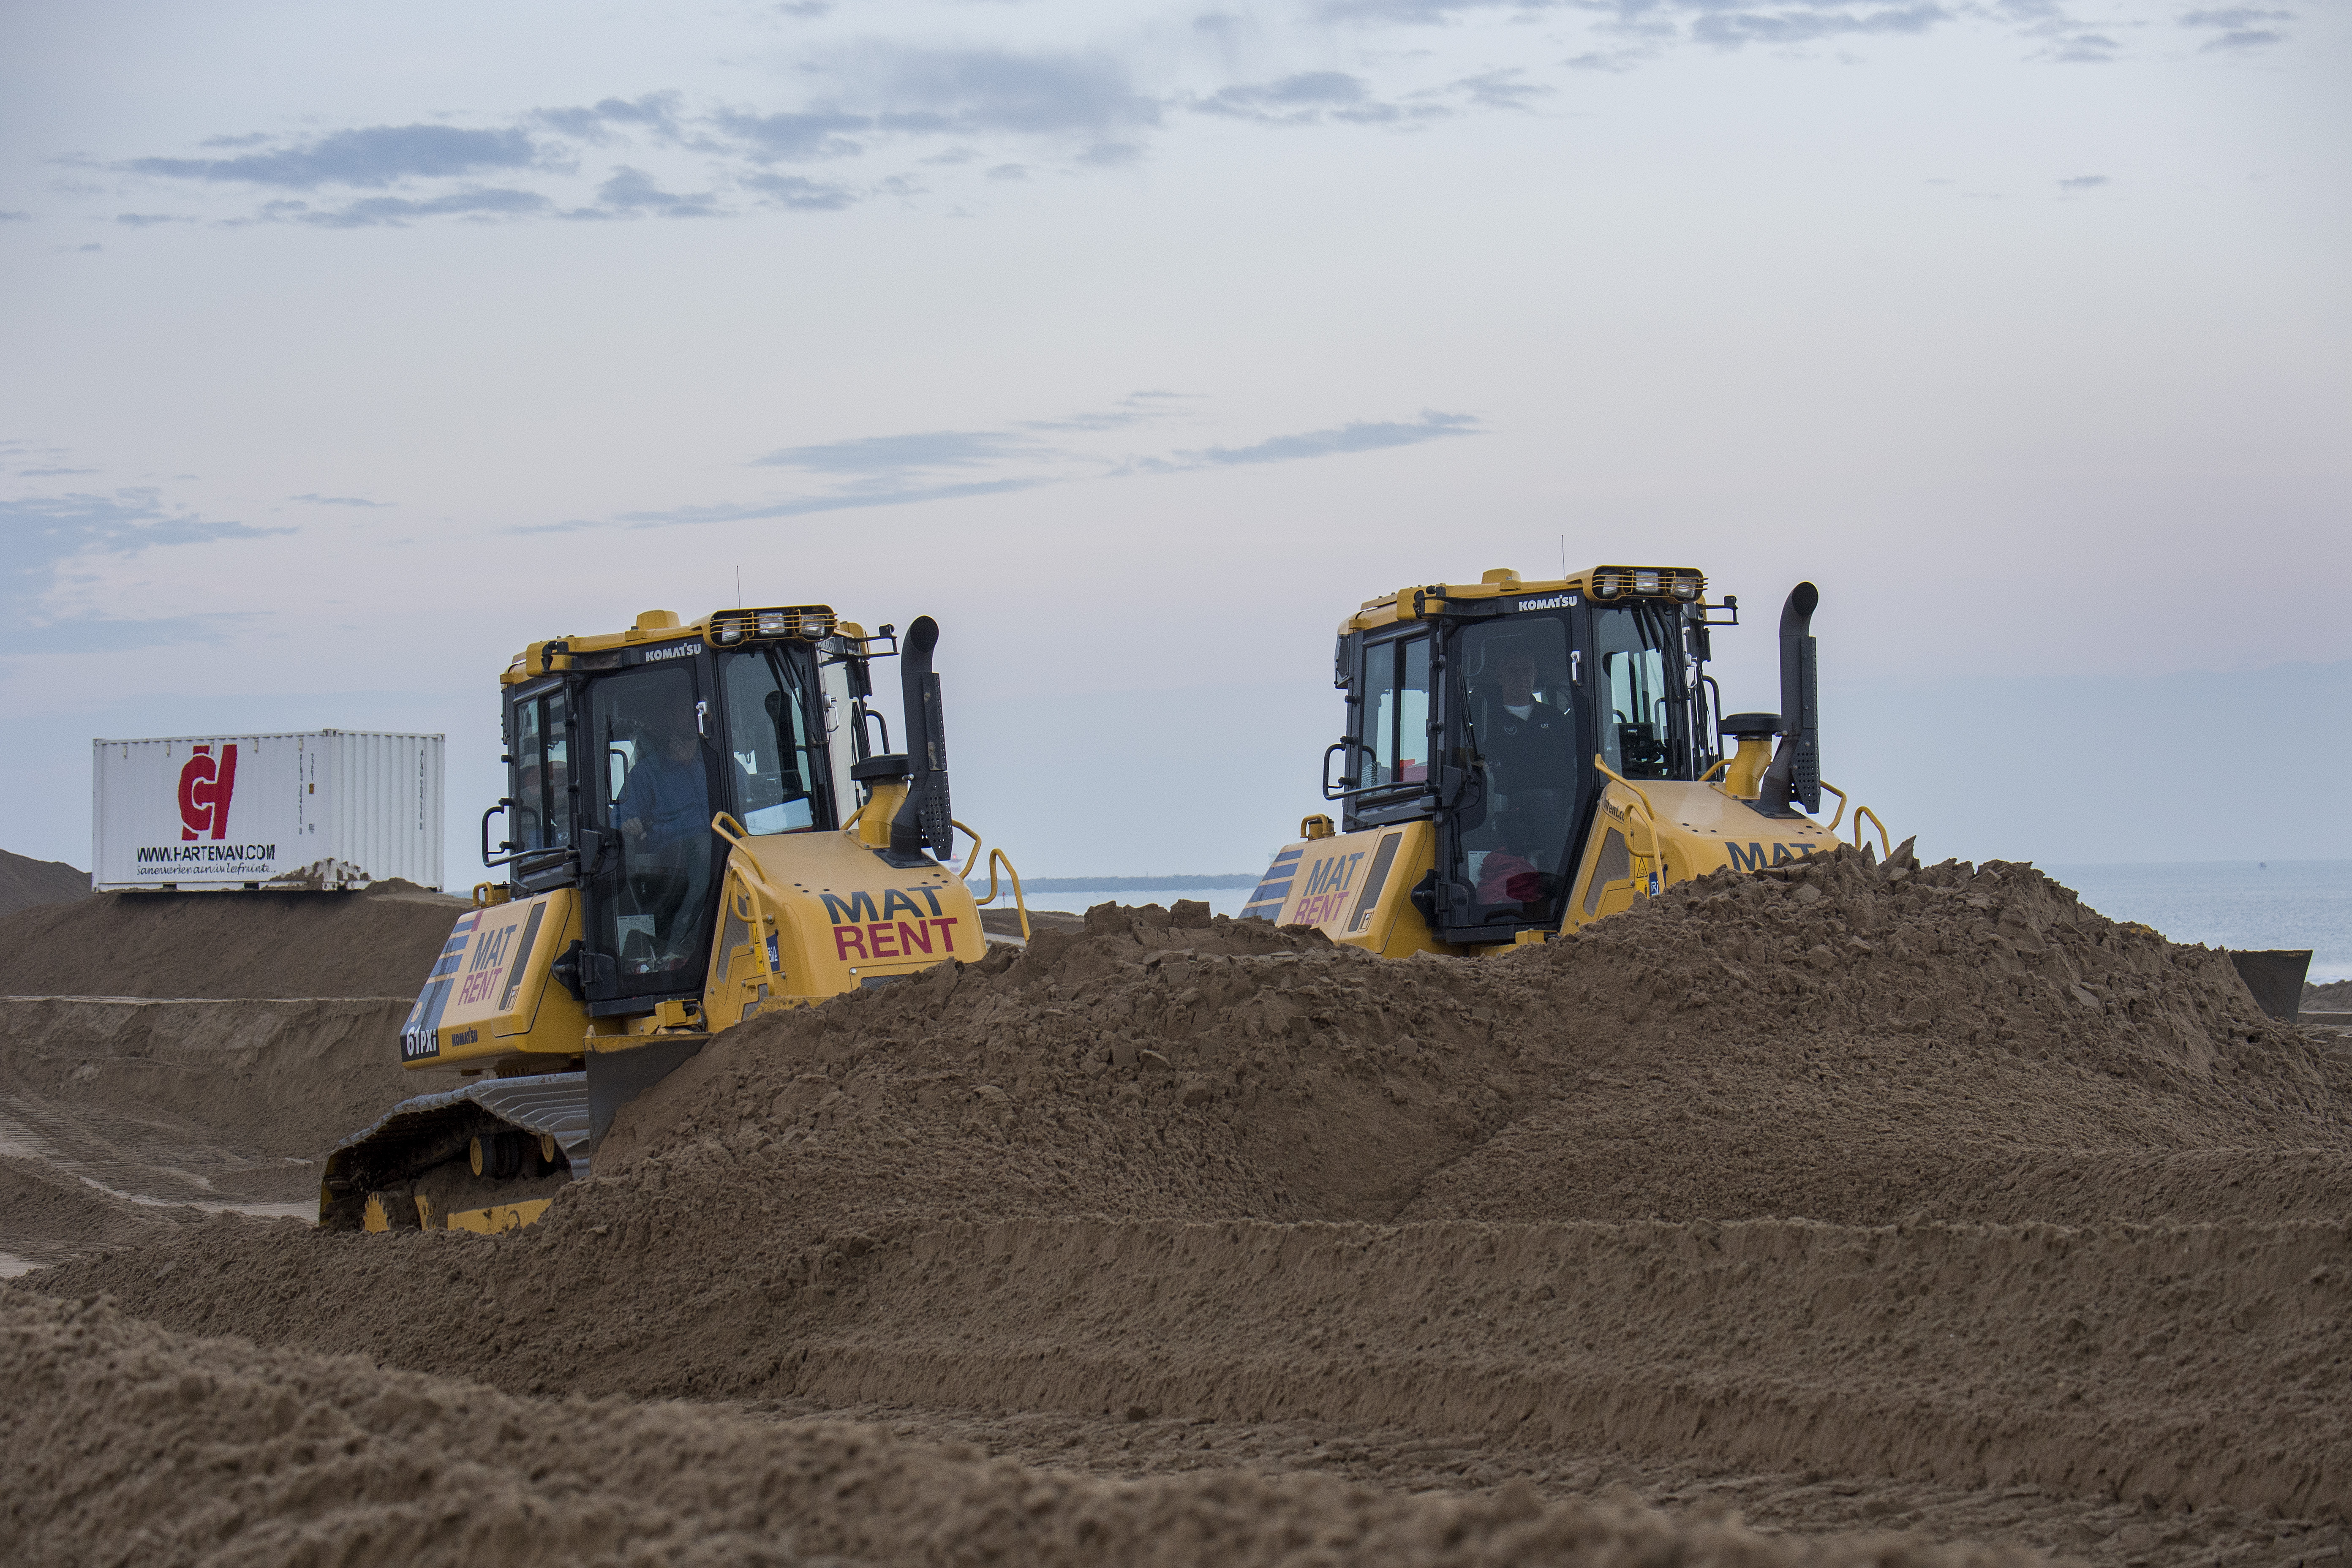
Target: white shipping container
x=330 y=808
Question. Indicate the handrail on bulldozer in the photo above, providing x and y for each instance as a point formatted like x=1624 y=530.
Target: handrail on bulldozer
x=740 y=838
x=1655 y=853
x=1885 y=848
x=759 y=895
x=1885 y=840
x=994 y=856
x=1841 y=810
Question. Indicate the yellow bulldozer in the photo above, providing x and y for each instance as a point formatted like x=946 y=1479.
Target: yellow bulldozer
x=698 y=828
x=1522 y=757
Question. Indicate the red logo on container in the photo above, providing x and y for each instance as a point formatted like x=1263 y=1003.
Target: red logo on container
x=206 y=786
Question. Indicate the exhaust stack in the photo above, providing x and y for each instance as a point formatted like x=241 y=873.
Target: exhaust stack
x=923 y=820
x=1795 y=774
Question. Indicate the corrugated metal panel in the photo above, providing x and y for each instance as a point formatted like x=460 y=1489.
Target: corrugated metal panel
x=237 y=811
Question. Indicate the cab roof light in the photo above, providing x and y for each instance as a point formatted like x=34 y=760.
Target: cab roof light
x=813 y=622
x=1682 y=583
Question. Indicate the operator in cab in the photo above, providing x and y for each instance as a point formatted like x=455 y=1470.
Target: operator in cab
x=664 y=813
x=1530 y=747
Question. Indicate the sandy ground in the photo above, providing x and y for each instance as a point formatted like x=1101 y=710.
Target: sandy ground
x=1761 y=1223
x=26 y=882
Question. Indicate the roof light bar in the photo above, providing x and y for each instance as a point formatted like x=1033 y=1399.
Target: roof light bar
x=811 y=622
x=1681 y=582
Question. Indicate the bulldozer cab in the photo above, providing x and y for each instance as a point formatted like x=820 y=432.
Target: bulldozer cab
x=618 y=762
x=1484 y=716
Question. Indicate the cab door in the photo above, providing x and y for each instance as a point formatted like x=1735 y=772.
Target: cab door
x=1517 y=737
x=542 y=797
x=1639 y=685
x=650 y=862
x=1389 y=776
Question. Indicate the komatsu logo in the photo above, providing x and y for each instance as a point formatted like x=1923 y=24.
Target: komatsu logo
x=1548 y=602
x=672 y=650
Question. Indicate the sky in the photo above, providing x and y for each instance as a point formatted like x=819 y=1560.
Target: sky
x=351 y=347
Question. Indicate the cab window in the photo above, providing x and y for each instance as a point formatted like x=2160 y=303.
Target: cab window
x=1395 y=713
x=1635 y=736
x=543 y=772
x=774 y=763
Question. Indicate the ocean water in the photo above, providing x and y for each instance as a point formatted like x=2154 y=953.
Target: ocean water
x=2231 y=903
x=2221 y=903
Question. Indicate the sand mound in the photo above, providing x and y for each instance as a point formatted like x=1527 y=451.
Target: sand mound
x=2335 y=996
x=119 y=1118
x=277 y=1079
x=126 y=1443
x=380 y=943
x=26 y=882
x=1880 y=1078
x=47 y=1214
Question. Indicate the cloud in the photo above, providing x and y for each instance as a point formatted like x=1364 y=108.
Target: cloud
x=2085 y=48
x=1313 y=97
x=898 y=454
x=1359 y=436
x=340 y=500
x=2234 y=16
x=839 y=501
x=369 y=156
x=1307 y=98
x=147 y=220
x=633 y=191
x=2084 y=182
x=48 y=528
x=654 y=111
x=2243 y=38
x=1423 y=11
x=794 y=137
x=1648 y=26
x=950 y=465
x=1500 y=90
x=966 y=91
x=15 y=217
x=1135 y=409
x=1732 y=28
x=372 y=212
x=799 y=195
x=47 y=535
